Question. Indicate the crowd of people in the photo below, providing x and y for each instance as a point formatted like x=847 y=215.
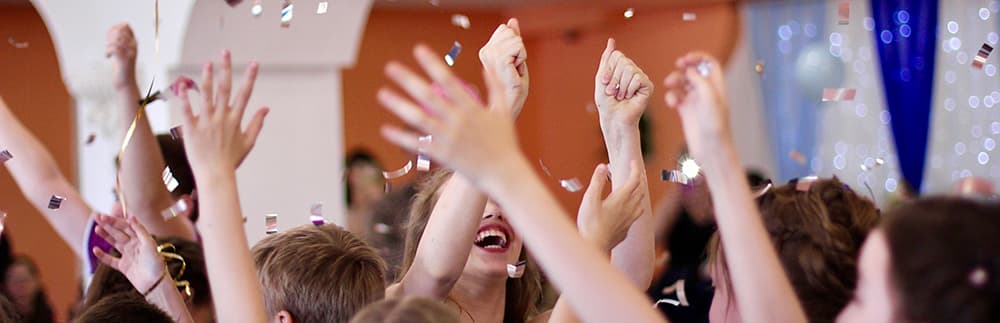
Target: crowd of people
x=482 y=239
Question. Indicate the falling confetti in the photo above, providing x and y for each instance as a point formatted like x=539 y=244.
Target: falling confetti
x=5 y=156
x=461 y=21
x=674 y=176
x=798 y=157
x=321 y=8
x=382 y=228
x=759 y=67
x=802 y=184
x=544 y=169
x=17 y=44
x=760 y=192
x=516 y=270
x=175 y=133
x=55 y=202
x=256 y=9
x=423 y=163
x=572 y=185
x=90 y=138
x=456 y=49
x=689 y=16
x=399 y=172
x=174 y=90
x=287 y=11
x=839 y=94
x=629 y=13
x=176 y=209
x=271 y=223
x=677 y=288
x=169 y=180
x=704 y=68
x=689 y=167
x=843 y=12
x=984 y=53
x=316 y=214
x=878 y=163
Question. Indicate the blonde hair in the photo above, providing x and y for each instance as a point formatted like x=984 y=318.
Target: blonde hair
x=318 y=273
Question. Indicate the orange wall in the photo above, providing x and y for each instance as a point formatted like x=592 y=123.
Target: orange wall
x=555 y=125
x=32 y=86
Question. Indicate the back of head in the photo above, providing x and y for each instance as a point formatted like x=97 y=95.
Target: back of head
x=944 y=260
x=8 y=312
x=847 y=209
x=123 y=307
x=318 y=273
x=818 y=254
x=108 y=281
x=406 y=310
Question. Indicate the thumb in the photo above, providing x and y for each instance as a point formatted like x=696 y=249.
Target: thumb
x=514 y=25
x=597 y=183
x=603 y=72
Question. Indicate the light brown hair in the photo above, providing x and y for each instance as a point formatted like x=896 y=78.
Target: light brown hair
x=318 y=273
x=410 y=309
x=936 y=247
x=814 y=233
x=123 y=307
x=523 y=294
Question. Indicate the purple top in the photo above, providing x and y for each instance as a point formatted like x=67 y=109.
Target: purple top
x=94 y=240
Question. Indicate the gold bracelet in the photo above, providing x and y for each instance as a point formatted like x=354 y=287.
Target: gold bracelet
x=156 y=284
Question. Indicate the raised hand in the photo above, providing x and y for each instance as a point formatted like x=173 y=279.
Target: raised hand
x=139 y=261
x=606 y=222
x=214 y=140
x=700 y=101
x=121 y=48
x=467 y=136
x=621 y=88
x=505 y=54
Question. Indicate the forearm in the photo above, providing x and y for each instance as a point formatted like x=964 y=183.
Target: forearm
x=635 y=255
x=38 y=176
x=447 y=240
x=141 y=168
x=238 y=297
x=597 y=291
x=167 y=298
x=761 y=287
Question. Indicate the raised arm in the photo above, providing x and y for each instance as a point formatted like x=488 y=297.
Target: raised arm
x=622 y=90
x=215 y=144
x=141 y=264
x=482 y=144
x=142 y=164
x=39 y=178
x=448 y=238
x=762 y=290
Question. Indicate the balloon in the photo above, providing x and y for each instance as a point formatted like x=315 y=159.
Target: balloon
x=816 y=68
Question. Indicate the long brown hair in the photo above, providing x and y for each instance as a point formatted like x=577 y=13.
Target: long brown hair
x=937 y=248
x=814 y=233
x=523 y=294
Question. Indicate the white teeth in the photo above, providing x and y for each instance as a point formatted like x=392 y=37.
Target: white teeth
x=492 y=233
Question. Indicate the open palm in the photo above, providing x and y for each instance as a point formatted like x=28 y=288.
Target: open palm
x=139 y=260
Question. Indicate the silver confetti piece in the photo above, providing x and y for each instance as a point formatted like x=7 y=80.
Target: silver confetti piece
x=629 y=13
x=704 y=68
x=316 y=214
x=5 y=156
x=675 y=176
x=456 y=49
x=55 y=202
x=287 y=13
x=175 y=133
x=839 y=94
x=382 y=228
x=423 y=162
x=271 y=223
x=176 y=209
x=516 y=270
x=878 y=163
x=17 y=44
x=399 y=172
x=984 y=53
x=843 y=12
x=689 y=16
x=461 y=21
x=169 y=180
x=572 y=185
x=256 y=9
x=321 y=8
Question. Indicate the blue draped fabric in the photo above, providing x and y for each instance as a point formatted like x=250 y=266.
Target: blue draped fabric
x=779 y=32
x=906 y=35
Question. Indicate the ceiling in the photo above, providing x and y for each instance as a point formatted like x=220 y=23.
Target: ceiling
x=507 y=4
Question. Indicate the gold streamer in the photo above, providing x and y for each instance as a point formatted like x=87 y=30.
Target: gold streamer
x=125 y=142
x=172 y=255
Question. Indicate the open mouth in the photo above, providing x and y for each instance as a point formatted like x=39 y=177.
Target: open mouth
x=493 y=237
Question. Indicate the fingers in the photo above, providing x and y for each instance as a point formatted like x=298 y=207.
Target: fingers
x=139 y=230
x=441 y=74
x=406 y=139
x=514 y=25
x=116 y=234
x=616 y=74
x=207 y=84
x=246 y=90
x=225 y=83
x=603 y=69
x=634 y=84
x=597 y=183
x=105 y=258
x=405 y=110
x=418 y=88
x=254 y=127
x=674 y=84
x=627 y=74
x=188 y=115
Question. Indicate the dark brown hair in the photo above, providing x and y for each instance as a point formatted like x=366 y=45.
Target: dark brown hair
x=523 y=294
x=108 y=281
x=410 y=309
x=175 y=157
x=318 y=273
x=123 y=307
x=936 y=247
x=8 y=312
x=814 y=233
